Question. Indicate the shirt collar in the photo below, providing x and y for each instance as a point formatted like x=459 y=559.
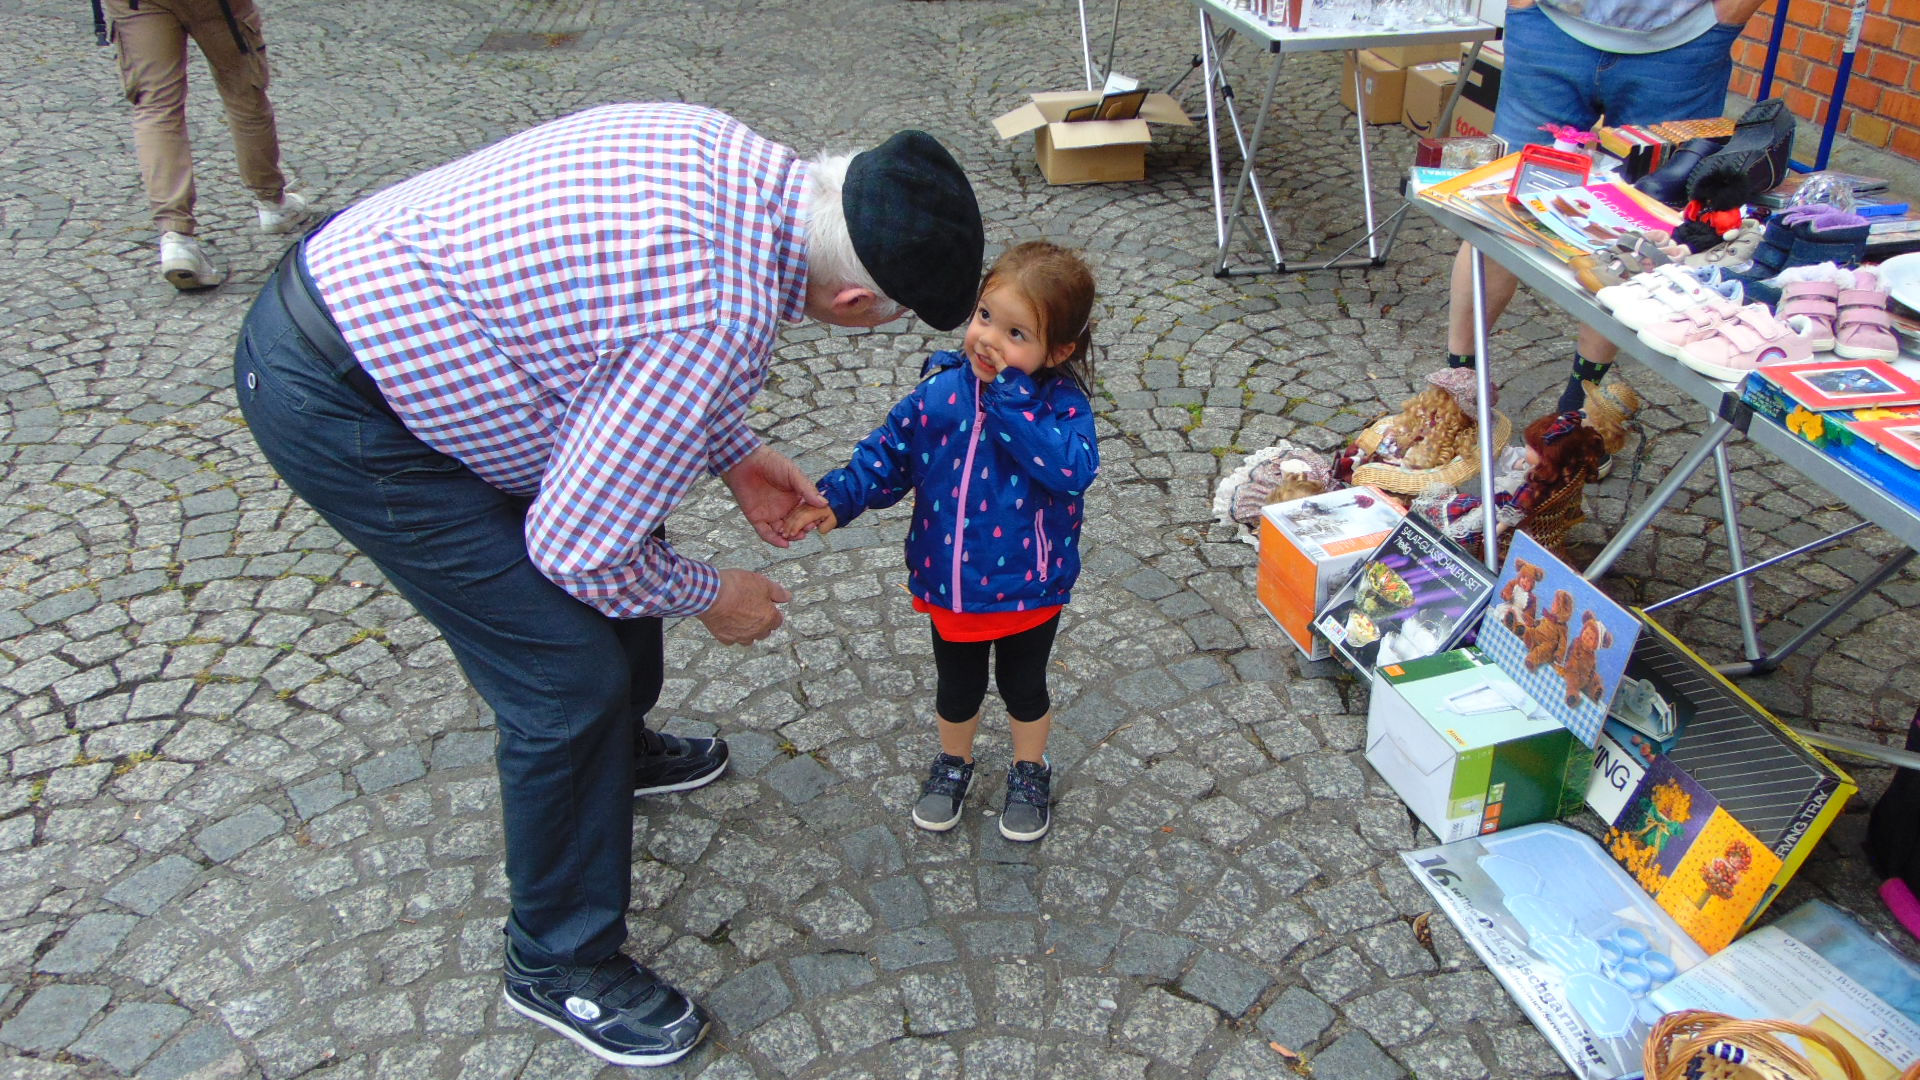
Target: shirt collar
x=790 y=264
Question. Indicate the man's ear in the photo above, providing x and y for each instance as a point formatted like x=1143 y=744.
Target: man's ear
x=853 y=302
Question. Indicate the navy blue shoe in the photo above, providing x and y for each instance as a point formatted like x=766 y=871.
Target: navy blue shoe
x=681 y=765
x=616 y=1009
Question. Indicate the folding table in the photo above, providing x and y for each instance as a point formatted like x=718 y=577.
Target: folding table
x=1554 y=282
x=1221 y=21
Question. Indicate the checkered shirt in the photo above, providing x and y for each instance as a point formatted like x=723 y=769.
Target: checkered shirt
x=581 y=313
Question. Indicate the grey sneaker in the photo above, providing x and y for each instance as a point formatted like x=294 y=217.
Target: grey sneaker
x=1029 y=796
x=944 y=794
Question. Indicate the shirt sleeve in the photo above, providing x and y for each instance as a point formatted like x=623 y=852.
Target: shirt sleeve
x=650 y=424
x=1051 y=435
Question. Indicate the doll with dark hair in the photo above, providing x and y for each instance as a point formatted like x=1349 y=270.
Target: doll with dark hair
x=1562 y=452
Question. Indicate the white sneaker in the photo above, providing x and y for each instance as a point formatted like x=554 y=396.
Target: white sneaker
x=291 y=212
x=185 y=265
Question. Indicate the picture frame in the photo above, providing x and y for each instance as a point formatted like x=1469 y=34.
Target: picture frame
x=1082 y=112
x=1823 y=385
x=1542 y=168
x=1121 y=105
x=1898 y=436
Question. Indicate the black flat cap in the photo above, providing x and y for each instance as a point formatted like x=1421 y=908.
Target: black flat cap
x=916 y=227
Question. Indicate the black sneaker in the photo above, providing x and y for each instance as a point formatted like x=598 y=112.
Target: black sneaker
x=944 y=794
x=617 y=1009
x=1029 y=793
x=683 y=765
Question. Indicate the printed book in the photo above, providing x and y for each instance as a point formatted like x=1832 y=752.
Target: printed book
x=1594 y=215
x=1564 y=641
x=1836 y=433
x=1415 y=596
x=1720 y=822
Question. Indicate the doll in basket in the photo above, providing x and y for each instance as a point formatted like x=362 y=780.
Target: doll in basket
x=1432 y=428
x=1562 y=451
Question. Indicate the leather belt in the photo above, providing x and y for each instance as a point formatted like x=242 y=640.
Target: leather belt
x=301 y=298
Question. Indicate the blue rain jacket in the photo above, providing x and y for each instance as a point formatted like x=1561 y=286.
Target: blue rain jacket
x=1015 y=454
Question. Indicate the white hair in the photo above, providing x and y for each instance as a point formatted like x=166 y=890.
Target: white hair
x=832 y=263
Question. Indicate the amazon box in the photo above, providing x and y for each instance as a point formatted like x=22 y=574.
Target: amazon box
x=1381 y=84
x=1428 y=87
x=1089 y=151
x=1482 y=96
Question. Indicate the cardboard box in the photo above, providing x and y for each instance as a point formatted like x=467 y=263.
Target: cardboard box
x=1406 y=56
x=1474 y=114
x=1381 y=84
x=1088 y=151
x=1427 y=89
x=1309 y=547
x=1467 y=750
x=1716 y=826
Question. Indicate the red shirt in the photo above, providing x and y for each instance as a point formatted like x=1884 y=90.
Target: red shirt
x=983 y=625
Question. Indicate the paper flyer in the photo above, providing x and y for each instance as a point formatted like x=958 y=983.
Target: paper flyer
x=1769 y=974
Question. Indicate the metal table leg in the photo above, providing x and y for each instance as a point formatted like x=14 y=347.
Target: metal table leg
x=1715 y=435
x=1483 y=407
x=1248 y=146
x=1736 y=555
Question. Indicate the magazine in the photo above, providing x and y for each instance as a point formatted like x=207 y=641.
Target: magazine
x=1533 y=230
x=1771 y=975
x=1415 y=596
x=1594 y=215
x=1570 y=936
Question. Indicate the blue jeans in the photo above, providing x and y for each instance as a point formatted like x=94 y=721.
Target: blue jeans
x=1551 y=78
x=568 y=686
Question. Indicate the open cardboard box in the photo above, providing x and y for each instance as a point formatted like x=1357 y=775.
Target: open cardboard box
x=1088 y=151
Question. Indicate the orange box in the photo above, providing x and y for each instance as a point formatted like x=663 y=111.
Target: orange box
x=1308 y=549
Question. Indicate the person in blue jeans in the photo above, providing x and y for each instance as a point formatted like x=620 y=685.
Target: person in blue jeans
x=499 y=378
x=1571 y=63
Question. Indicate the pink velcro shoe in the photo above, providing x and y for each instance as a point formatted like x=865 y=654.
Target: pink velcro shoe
x=1690 y=325
x=1818 y=303
x=1864 y=328
x=1750 y=338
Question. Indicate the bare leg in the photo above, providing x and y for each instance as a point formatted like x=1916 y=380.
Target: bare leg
x=1501 y=285
x=1595 y=347
x=1030 y=739
x=957 y=738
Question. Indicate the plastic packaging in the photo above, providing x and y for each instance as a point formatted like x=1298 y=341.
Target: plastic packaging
x=1823 y=187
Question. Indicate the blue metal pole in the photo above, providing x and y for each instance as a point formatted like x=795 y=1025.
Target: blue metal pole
x=1838 y=101
x=1773 y=51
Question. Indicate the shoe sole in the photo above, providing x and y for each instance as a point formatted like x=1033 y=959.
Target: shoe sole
x=187 y=280
x=1847 y=352
x=591 y=1047
x=1604 y=469
x=686 y=785
x=1023 y=837
x=937 y=826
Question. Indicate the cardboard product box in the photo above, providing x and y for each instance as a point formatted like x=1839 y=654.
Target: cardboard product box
x=1406 y=56
x=1308 y=548
x=1088 y=151
x=1428 y=86
x=1474 y=115
x=1381 y=84
x=1713 y=828
x=1467 y=750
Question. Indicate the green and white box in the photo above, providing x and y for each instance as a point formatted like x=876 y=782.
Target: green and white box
x=1467 y=750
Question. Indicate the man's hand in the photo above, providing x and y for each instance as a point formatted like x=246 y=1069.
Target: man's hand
x=745 y=611
x=805 y=519
x=768 y=487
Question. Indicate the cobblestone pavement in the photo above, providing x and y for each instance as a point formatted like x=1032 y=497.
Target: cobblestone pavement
x=248 y=820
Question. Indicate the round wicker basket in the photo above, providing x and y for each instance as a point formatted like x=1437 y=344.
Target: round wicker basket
x=1694 y=1044
x=1406 y=481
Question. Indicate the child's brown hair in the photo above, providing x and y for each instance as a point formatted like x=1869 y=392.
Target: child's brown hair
x=1057 y=282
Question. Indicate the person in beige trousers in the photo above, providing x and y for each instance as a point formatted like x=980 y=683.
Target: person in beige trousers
x=153 y=35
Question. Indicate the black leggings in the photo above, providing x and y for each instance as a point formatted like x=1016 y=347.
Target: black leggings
x=1020 y=667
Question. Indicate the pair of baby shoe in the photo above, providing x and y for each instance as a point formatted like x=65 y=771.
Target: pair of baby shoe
x=1845 y=311
x=1704 y=324
x=1803 y=236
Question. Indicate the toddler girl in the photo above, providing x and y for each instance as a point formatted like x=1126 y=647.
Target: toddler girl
x=997 y=445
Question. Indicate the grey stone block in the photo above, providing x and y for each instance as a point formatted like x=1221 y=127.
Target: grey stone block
x=1229 y=985
x=132 y=1033
x=1296 y=1018
x=750 y=998
x=390 y=769
x=799 y=779
x=224 y=839
x=148 y=889
x=53 y=1017
x=88 y=944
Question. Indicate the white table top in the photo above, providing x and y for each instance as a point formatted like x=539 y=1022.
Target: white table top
x=1279 y=39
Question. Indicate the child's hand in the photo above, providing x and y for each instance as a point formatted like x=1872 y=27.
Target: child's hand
x=804 y=519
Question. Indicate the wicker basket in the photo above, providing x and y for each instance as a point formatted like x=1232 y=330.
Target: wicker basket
x=1694 y=1044
x=1406 y=481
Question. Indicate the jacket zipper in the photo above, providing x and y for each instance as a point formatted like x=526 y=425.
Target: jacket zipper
x=1042 y=549
x=966 y=477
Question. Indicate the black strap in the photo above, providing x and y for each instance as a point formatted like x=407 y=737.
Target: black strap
x=233 y=27
x=297 y=293
x=100 y=25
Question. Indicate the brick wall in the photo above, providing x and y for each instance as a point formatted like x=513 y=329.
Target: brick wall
x=1883 y=94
